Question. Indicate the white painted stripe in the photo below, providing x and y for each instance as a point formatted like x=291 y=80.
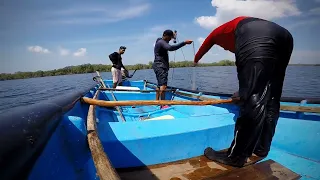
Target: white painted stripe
x=235 y=143
x=165 y=117
x=127 y=88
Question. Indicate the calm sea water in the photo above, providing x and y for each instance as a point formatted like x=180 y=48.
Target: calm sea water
x=302 y=81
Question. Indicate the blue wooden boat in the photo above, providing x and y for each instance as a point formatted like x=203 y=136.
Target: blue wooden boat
x=50 y=140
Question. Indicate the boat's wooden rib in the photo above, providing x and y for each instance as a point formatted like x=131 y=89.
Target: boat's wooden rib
x=103 y=166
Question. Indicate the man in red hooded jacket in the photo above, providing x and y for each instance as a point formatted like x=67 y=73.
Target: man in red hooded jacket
x=262 y=50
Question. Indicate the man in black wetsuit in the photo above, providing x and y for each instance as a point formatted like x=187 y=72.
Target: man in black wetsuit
x=262 y=50
x=116 y=60
x=161 y=60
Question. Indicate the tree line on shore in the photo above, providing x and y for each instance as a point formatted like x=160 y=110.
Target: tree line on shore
x=91 y=68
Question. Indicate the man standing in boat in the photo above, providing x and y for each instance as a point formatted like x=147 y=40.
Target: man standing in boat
x=262 y=51
x=161 y=60
x=116 y=60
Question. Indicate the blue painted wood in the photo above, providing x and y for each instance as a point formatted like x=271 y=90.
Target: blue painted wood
x=139 y=142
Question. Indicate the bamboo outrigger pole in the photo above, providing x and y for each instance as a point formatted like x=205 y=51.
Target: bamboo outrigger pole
x=195 y=103
x=101 y=161
x=308 y=109
x=151 y=102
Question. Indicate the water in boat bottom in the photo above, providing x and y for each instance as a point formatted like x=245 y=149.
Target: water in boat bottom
x=300 y=81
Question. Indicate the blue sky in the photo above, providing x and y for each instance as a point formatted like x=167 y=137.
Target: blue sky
x=44 y=35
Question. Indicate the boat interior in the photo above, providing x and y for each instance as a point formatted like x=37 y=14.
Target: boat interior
x=146 y=142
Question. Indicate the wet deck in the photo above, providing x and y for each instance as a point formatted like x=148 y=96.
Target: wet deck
x=201 y=168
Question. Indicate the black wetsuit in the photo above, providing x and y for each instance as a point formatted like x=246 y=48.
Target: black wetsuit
x=263 y=50
x=161 y=59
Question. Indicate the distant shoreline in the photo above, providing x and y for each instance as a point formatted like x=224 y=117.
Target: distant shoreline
x=91 y=68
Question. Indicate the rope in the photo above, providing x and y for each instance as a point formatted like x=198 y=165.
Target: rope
x=193 y=69
x=174 y=58
x=193 y=80
x=194 y=50
x=181 y=50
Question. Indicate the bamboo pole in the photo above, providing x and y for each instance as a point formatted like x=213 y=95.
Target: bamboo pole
x=101 y=80
x=117 y=107
x=208 y=101
x=114 y=98
x=151 y=102
x=282 y=107
x=300 y=109
x=101 y=161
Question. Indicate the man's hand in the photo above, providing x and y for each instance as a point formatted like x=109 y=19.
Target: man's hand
x=235 y=96
x=188 y=41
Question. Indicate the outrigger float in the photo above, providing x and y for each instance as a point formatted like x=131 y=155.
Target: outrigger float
x=104 y=133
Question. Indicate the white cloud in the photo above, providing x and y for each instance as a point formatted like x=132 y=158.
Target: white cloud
x=131 y=12
x=229 y=9
x=63 y=52
x=80 y=52
x=38 y=49
x=101 y=14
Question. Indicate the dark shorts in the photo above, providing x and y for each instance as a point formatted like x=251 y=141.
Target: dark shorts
x=161 y=73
